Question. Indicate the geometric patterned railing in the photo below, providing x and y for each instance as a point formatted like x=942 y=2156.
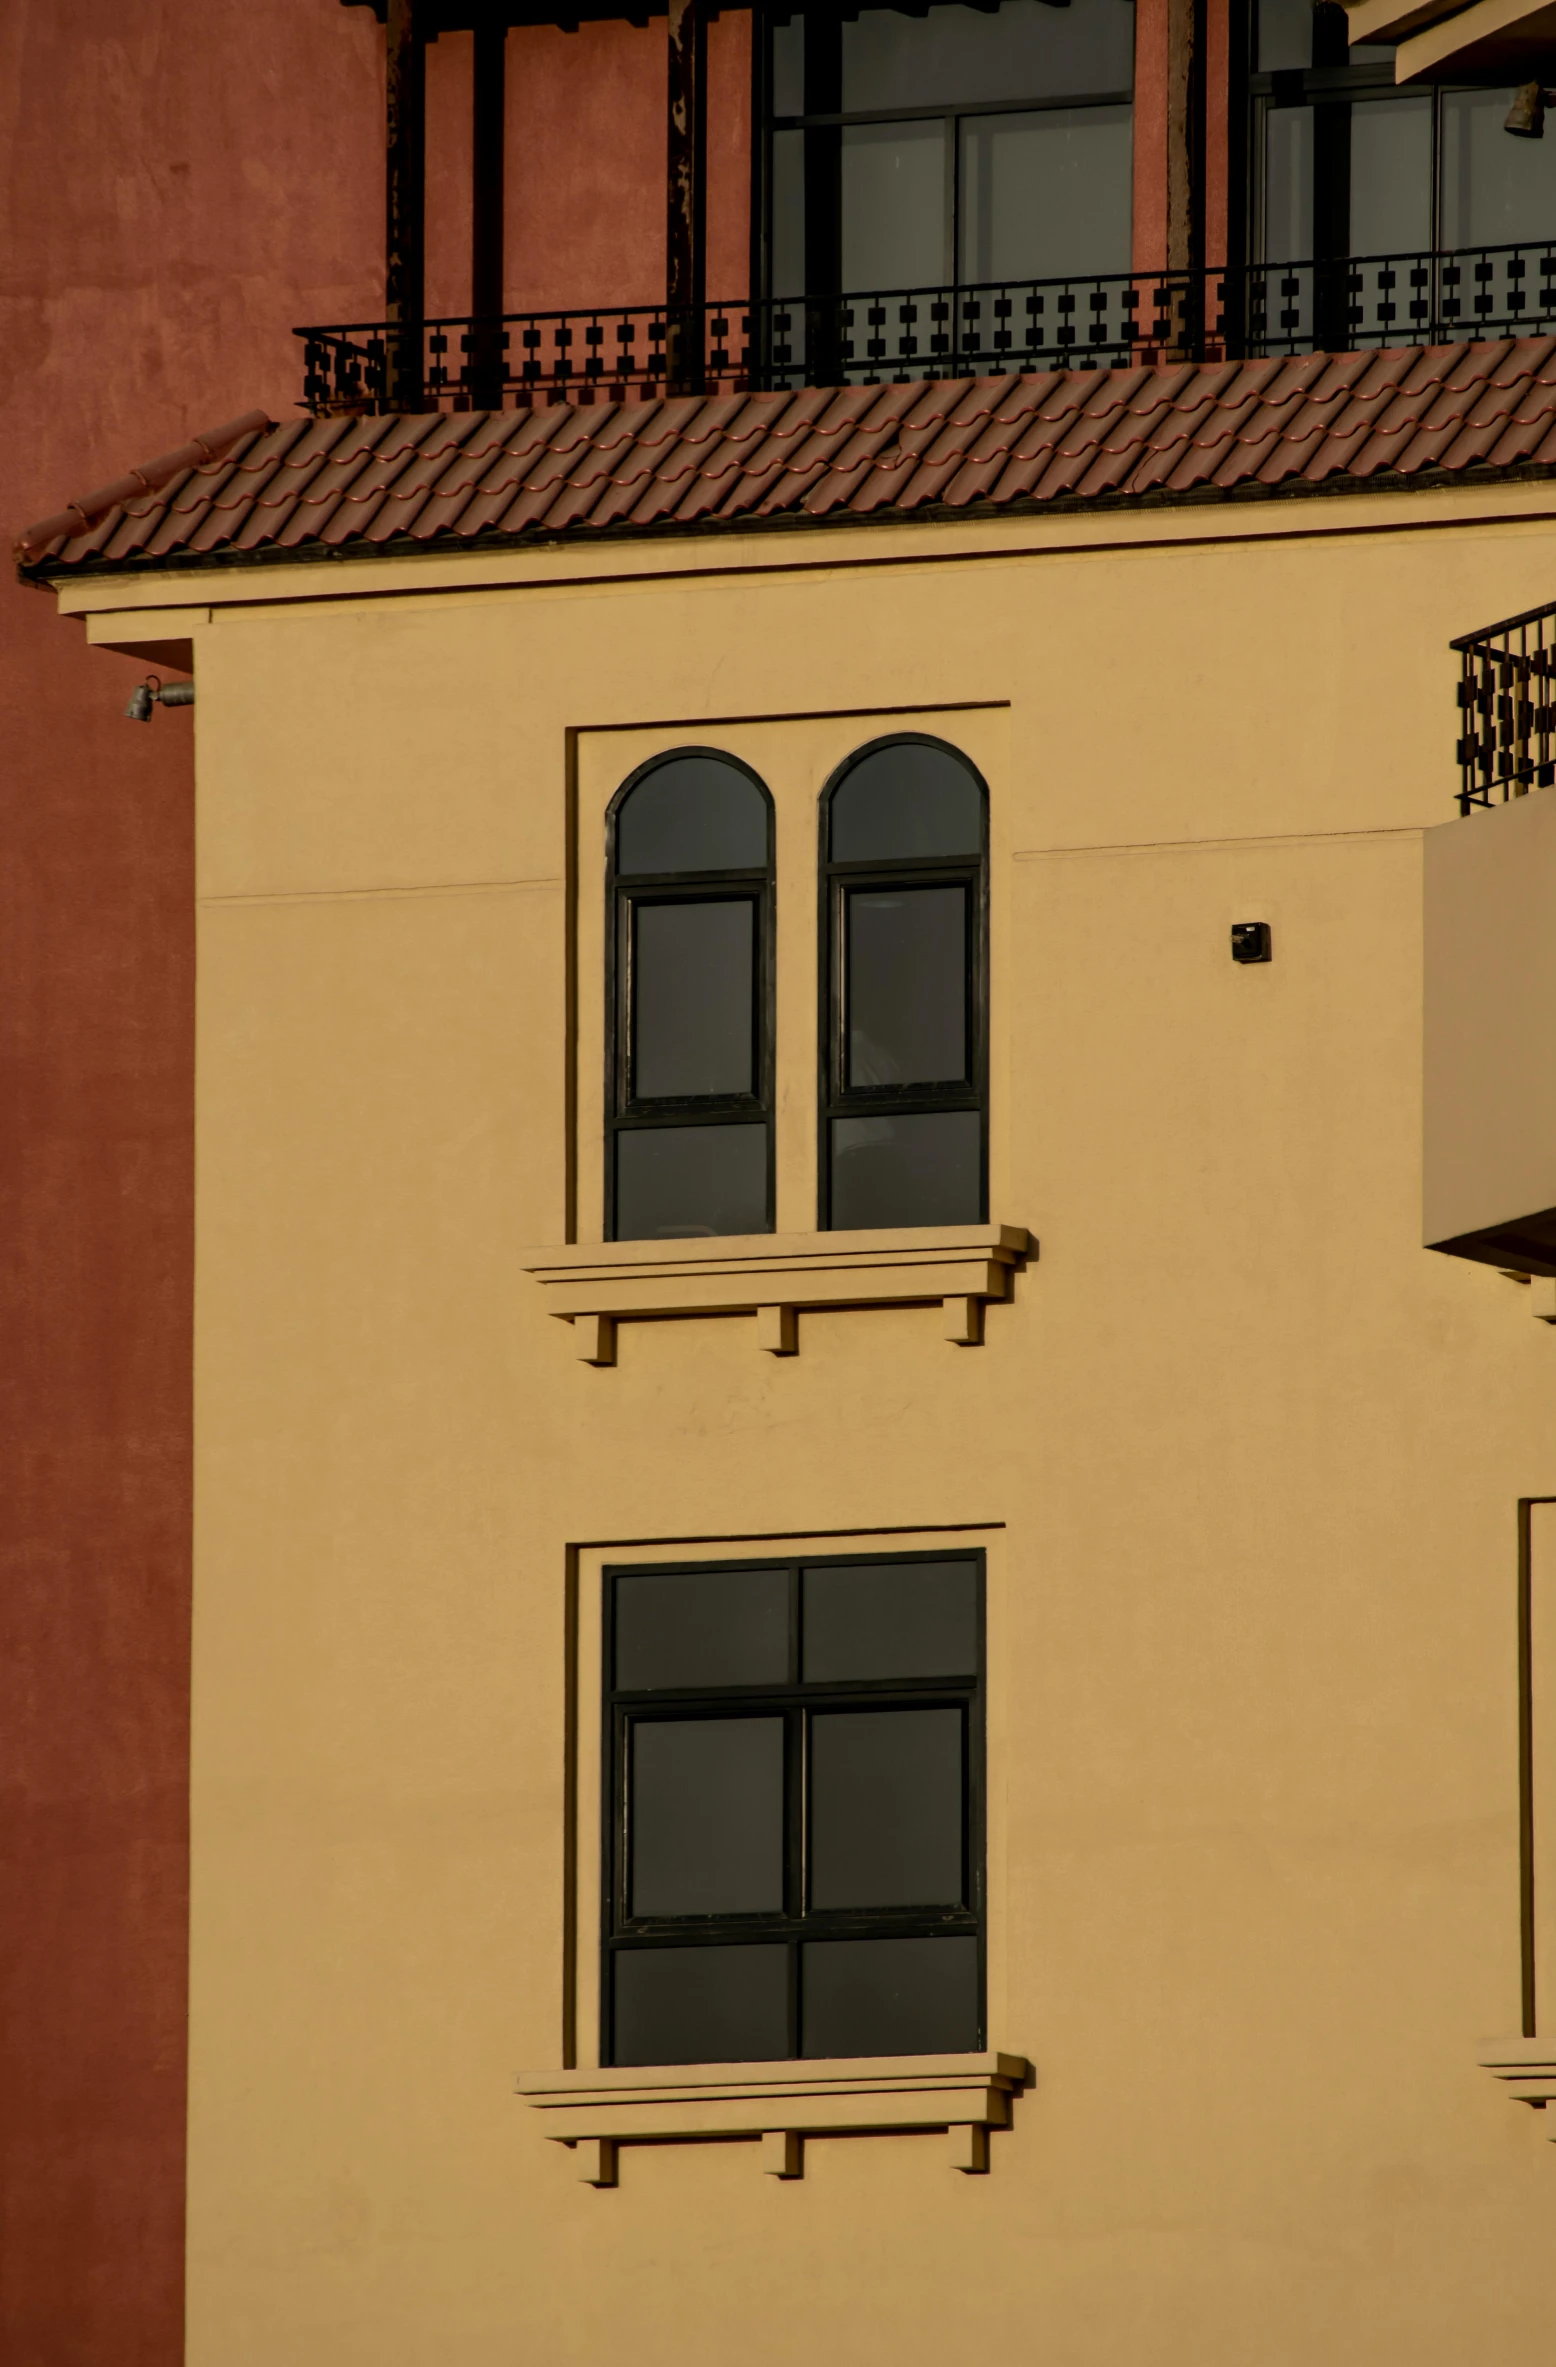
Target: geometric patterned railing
x=1507 y=706
x=634 y=352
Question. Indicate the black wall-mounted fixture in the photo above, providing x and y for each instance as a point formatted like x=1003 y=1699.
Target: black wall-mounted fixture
x=1250 y=941
x=153 y=692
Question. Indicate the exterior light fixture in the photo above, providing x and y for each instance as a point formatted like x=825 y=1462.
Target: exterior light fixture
x=153 y=692
x=1250 y=941
x=1525 y=118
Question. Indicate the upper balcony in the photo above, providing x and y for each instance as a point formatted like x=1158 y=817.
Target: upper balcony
x=634 y=353
x=1489 y=1153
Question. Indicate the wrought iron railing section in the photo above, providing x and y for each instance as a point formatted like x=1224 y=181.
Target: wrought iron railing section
x=631 y=352
x=1507 y=702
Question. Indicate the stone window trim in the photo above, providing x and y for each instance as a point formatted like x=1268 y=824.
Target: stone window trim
x=774 y=1276
x=777 y=2105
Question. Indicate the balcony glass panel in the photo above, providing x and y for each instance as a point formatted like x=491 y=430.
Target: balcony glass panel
x=1495 y=190
x=1046 y=194
x=895 y=211
x=965 y=57
x=1391 y=175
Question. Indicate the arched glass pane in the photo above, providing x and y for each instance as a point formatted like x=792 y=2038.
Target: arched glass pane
x=692 y=813
x=905 y=800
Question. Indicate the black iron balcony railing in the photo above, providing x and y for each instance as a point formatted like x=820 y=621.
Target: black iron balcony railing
x=631 y=352
x=1507 y=697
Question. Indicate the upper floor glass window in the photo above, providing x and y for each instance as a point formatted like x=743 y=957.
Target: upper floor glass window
x=905 y=1003
x=949 y=147
x=1348 y=163
x=689 y=1040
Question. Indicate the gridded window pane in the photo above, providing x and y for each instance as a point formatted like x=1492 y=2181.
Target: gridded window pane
x=677 y=1183
x=1288 y=185
x=702 y=1627
x=1391 y=175
x=1285 y=36
x=906 y=800
x=706 y=1816
x=887 y=1808
x=907 y=985
x=1495 y=190
x=701 y=2005
x=919 y=1170
x=1046 y=195
x=694 y=998
x=692 y=813
x=954 y=56
x=895 y=214
x=889 y=1997
x=890 y=1619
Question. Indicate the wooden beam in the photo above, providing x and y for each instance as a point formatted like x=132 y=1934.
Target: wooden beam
x=686 y=197
x=405 y=143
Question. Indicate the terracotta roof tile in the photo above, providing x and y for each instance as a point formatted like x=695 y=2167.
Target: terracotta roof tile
x=819 y=452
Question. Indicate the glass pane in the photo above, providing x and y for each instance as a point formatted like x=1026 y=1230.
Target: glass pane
x=894 y=206
x=906 y=799
x=907 y=985
x=1496 y=189
x=693 y=813
x=1288 y=184
x=889 y=1997
x=1391 y=175
x=1285 y=37
x=886 y=1808
x=890 y=1619
x=693 y=998
x=958 y=56
x=1046 y=196
x=684 y=1183
x=906 y=1171
x=706 y=1817
x=701 y=2005
x=701 y=1627
x=788 y=251
x=789 y=66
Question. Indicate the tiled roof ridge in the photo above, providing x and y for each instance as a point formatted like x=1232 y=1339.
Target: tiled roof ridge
x=208 y=450
x=893 y=454
x=820 y=452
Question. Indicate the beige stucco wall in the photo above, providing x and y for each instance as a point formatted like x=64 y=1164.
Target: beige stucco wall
x=1245 y=1454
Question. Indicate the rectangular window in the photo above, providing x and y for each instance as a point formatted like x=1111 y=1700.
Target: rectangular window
x=793 y=1779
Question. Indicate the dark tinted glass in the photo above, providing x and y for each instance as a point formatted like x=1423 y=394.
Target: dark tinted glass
x=890 y=1619
x=886 y=1816
x=703 y=1627
x=676 y=1183
x=693 y=998
x=955 y=56
x=906 y=800
x=907 y=986
x=907 y=1171
x=693 y=813
x=889 y=1997
x=701 y=2005
x=706 y=1816
x=1285 y=35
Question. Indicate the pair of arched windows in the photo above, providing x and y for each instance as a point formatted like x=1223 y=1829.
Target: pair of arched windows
x=904 y=995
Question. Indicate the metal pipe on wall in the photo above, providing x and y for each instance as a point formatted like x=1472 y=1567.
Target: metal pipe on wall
x=686 y=196
x=405 y=144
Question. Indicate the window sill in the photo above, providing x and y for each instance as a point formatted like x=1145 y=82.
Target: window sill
x=1525 y=2069
x=779 y=2104
x=596 y=1285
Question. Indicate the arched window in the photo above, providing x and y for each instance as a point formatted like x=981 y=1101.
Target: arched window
x=689 y=1086
x=905 y=1003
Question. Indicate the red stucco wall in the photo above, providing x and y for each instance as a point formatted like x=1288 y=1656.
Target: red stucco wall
x=183 y=179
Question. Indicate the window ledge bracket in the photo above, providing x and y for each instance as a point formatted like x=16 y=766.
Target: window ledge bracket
x=777 y=2104
x=773 y=1276
x=1525 y=2070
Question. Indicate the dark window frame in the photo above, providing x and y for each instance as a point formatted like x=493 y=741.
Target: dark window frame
x=624 y=892
x=836 y=1098
x=823 y=122
x=794 y=1700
